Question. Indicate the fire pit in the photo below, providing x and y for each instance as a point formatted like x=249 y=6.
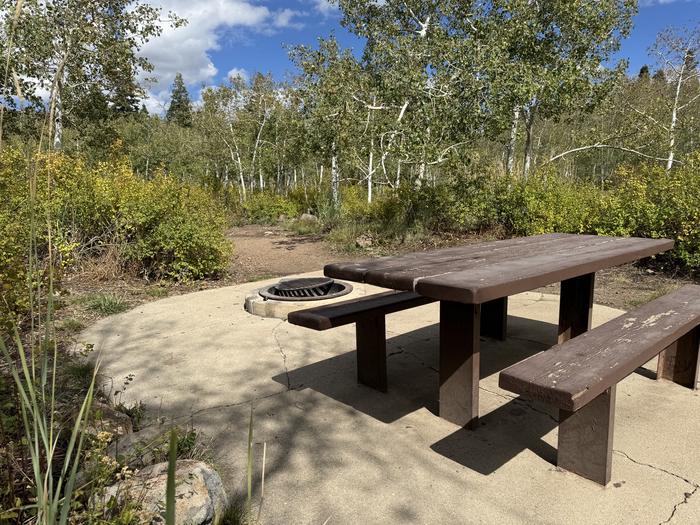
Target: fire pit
x=296 y=293
x=305 y=289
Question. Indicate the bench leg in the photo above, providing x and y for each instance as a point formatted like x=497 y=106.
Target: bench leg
x=370 y=335
x=459 y=363
x=494 y=318
x=586 y=438
x=575 y=306
x=679 y=362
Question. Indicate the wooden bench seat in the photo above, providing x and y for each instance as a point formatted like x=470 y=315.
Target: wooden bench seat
x=579 y=376
x=368 y=313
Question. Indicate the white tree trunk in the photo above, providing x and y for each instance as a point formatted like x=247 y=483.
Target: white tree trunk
x=674 y=118
x=530 y=120
x=510 y=152
x=334 y=177
x=370 y=170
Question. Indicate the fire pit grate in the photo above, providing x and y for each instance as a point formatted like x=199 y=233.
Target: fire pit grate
x=306 y=289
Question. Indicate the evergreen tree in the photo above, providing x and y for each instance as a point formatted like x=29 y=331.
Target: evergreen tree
x=660 y=76
x=644 y=73
x=180 y=109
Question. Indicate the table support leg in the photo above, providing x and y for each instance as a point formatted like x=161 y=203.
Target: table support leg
x=586 y=438
x=494 y=318
x=679 y=362
x=575 y=306
x=459 y=363
x=370 y=335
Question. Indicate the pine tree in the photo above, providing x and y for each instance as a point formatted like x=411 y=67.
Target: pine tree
x=644 y=73
x=660 y=76
x=180 y=109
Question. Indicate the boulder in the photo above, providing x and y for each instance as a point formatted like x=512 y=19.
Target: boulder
x=307 y=217
x=200 y=497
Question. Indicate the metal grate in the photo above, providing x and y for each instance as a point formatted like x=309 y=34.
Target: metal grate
x=306 y=289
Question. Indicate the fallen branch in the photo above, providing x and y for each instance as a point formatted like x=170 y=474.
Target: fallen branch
x=609 y=146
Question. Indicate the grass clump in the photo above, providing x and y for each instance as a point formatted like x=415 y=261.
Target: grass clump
x=105 y=303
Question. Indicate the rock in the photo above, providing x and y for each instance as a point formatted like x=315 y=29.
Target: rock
x=200 y=497
x=363 y=241
x=106 y=418
x=307 y=217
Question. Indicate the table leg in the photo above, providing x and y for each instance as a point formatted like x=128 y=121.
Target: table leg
x=575 y=306
x=370 y=335
x=494 y=318
x=679 y=362
x=459 y=363
x=586 y=438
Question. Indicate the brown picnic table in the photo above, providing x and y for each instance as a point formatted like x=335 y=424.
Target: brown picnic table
x=474 y=281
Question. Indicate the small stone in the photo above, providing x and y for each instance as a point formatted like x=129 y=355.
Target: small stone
x=200 y=497
x=307 y=217
x=363 y=241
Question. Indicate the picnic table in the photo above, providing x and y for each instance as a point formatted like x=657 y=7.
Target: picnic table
x=474 y=281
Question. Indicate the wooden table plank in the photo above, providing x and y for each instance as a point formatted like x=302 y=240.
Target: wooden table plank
x=571 y=374
x=486 y=271
x=521 y=275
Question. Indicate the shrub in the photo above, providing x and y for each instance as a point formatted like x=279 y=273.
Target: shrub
x=645 y=201
x=159 y=227
x=548 y=202
x=14 y=237
x=266 y=207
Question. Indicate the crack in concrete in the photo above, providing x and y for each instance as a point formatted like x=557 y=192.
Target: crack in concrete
x=284 y=356
x=686 y=495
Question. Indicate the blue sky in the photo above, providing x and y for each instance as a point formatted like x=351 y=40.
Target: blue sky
x=245 y=36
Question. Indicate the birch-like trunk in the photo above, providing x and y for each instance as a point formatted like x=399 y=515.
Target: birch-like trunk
x=674 y=118
x=512 y=142
x=335 y=181
x=370 y=170
x=529 y=123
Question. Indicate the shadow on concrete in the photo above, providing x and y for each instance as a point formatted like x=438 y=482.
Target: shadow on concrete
x=412 y=361
x=502 y=434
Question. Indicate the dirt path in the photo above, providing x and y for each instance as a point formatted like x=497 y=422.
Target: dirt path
x=261 y=252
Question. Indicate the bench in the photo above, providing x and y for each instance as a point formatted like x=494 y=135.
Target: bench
x=579 y=376
x=369 y=312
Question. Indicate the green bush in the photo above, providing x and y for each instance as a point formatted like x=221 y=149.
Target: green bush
x=547 y=202
x=645 y=201
x=266 y=207
x=160 y=227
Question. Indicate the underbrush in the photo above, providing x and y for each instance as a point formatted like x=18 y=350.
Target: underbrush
x=639 y=201
x=156 y=228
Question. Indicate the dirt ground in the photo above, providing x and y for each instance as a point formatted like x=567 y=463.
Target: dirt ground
x=262 y=252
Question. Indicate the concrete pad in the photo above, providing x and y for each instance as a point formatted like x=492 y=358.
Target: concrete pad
x=342 y=452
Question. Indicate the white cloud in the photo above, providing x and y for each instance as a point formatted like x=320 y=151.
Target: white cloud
x=186 y=49
x=326 y=7
x=285 y=18
x=238 y=72
x=649 y=3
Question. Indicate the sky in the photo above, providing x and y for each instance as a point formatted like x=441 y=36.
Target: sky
x=241 y=37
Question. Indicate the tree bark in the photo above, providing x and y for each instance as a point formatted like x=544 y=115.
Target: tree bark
x=674 y=117
x=370 y=170
x=512 y=142
x=529 y=124
x=334 y=176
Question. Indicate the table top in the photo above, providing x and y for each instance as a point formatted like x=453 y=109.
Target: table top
x=481 y=272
